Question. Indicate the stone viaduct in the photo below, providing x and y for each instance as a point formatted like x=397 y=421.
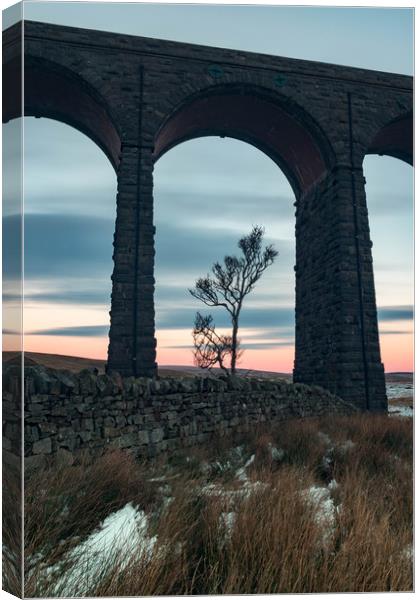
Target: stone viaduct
x=137 y=98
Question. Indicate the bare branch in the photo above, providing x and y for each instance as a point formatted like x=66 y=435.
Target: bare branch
x=209 y=348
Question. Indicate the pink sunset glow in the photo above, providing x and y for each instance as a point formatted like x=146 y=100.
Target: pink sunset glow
x=396 y=350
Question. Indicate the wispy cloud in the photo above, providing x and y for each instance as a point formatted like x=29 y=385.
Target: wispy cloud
x=393 y=332
x=244 y=346
x=395 y=313
x=254 y=318
x=82 y=331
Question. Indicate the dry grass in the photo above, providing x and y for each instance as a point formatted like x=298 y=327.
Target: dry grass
x=12 y=528
x=403 y=401
x=64 y=505
x=218 y=534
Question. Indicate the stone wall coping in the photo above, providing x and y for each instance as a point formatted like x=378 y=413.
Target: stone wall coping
x=158 y=47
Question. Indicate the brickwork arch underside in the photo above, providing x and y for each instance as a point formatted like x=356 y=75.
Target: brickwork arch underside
x=395 y=139
x=301 y=151
x=52 y=91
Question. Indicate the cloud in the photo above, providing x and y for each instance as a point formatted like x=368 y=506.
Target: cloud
x=395 y=313
x=269 y=324
x=226 y=208
x=77 y=246
x=57 y=245
x=12 y=165
x=189 y=249
x=396 y=332
x=272 y=333
x=268 y=345
x=81 y=331
x=65 y=172
x=78 y=297
x=265 y=318
x=244 y=346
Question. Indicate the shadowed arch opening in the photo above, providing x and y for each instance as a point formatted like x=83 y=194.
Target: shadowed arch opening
x=389 y=197
x=57 y=93
x=70 y=190
x=277 y=127
x=395 y=139
x=208 y=193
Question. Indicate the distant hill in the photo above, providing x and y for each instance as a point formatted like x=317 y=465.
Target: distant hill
x=403 y=376
x=57 y=361
x=77 y=363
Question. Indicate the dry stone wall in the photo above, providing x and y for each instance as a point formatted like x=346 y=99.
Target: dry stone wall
x=66 y=413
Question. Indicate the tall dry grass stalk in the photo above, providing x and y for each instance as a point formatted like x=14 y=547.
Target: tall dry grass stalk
x=12 y=529
x=218 y=534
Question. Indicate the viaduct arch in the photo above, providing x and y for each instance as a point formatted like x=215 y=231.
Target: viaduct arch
x=138 y=97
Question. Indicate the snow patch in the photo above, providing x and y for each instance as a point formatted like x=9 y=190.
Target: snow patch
x=234 y=458
x=212 y=489
x=333 y=485
x=325 y=438
x=347 y=445
x=408 y=552
x=398 y=410
x=277 y=454
x=121 y=534
x=241 y=473
x=227 y=521
x=326 y=511
x=399 y=390
x=327 y=460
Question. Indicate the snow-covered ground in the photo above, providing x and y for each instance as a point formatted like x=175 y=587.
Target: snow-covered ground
x=399 y=410
x=326 y=511
x=396 y=390
x=121 y=534
x=399 y=389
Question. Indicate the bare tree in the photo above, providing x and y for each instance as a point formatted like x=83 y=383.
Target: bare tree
x=210 y=349
x=230 y=283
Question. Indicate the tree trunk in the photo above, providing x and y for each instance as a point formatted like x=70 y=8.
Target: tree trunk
x=234 y=345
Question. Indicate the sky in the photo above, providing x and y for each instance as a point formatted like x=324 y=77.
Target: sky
x=208 y=193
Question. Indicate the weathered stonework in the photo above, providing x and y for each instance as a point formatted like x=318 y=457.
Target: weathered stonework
x=138 y=97
x=68 y=413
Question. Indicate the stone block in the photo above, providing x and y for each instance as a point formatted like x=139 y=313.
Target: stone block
x=63 y=458
x=110 y=432
x=42 y=446
x=6 y=443
x=47 y=427
x=143 y=438
x=34 y=462
x=126 y=441
x=71 y=443
x=157 y=435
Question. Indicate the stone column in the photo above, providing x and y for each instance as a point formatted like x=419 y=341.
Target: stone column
x=132 y=345
x=337 y=343
x=145 y=345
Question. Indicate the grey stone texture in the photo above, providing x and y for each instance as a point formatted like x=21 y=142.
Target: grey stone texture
x=67 y=413
x=138 y=97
